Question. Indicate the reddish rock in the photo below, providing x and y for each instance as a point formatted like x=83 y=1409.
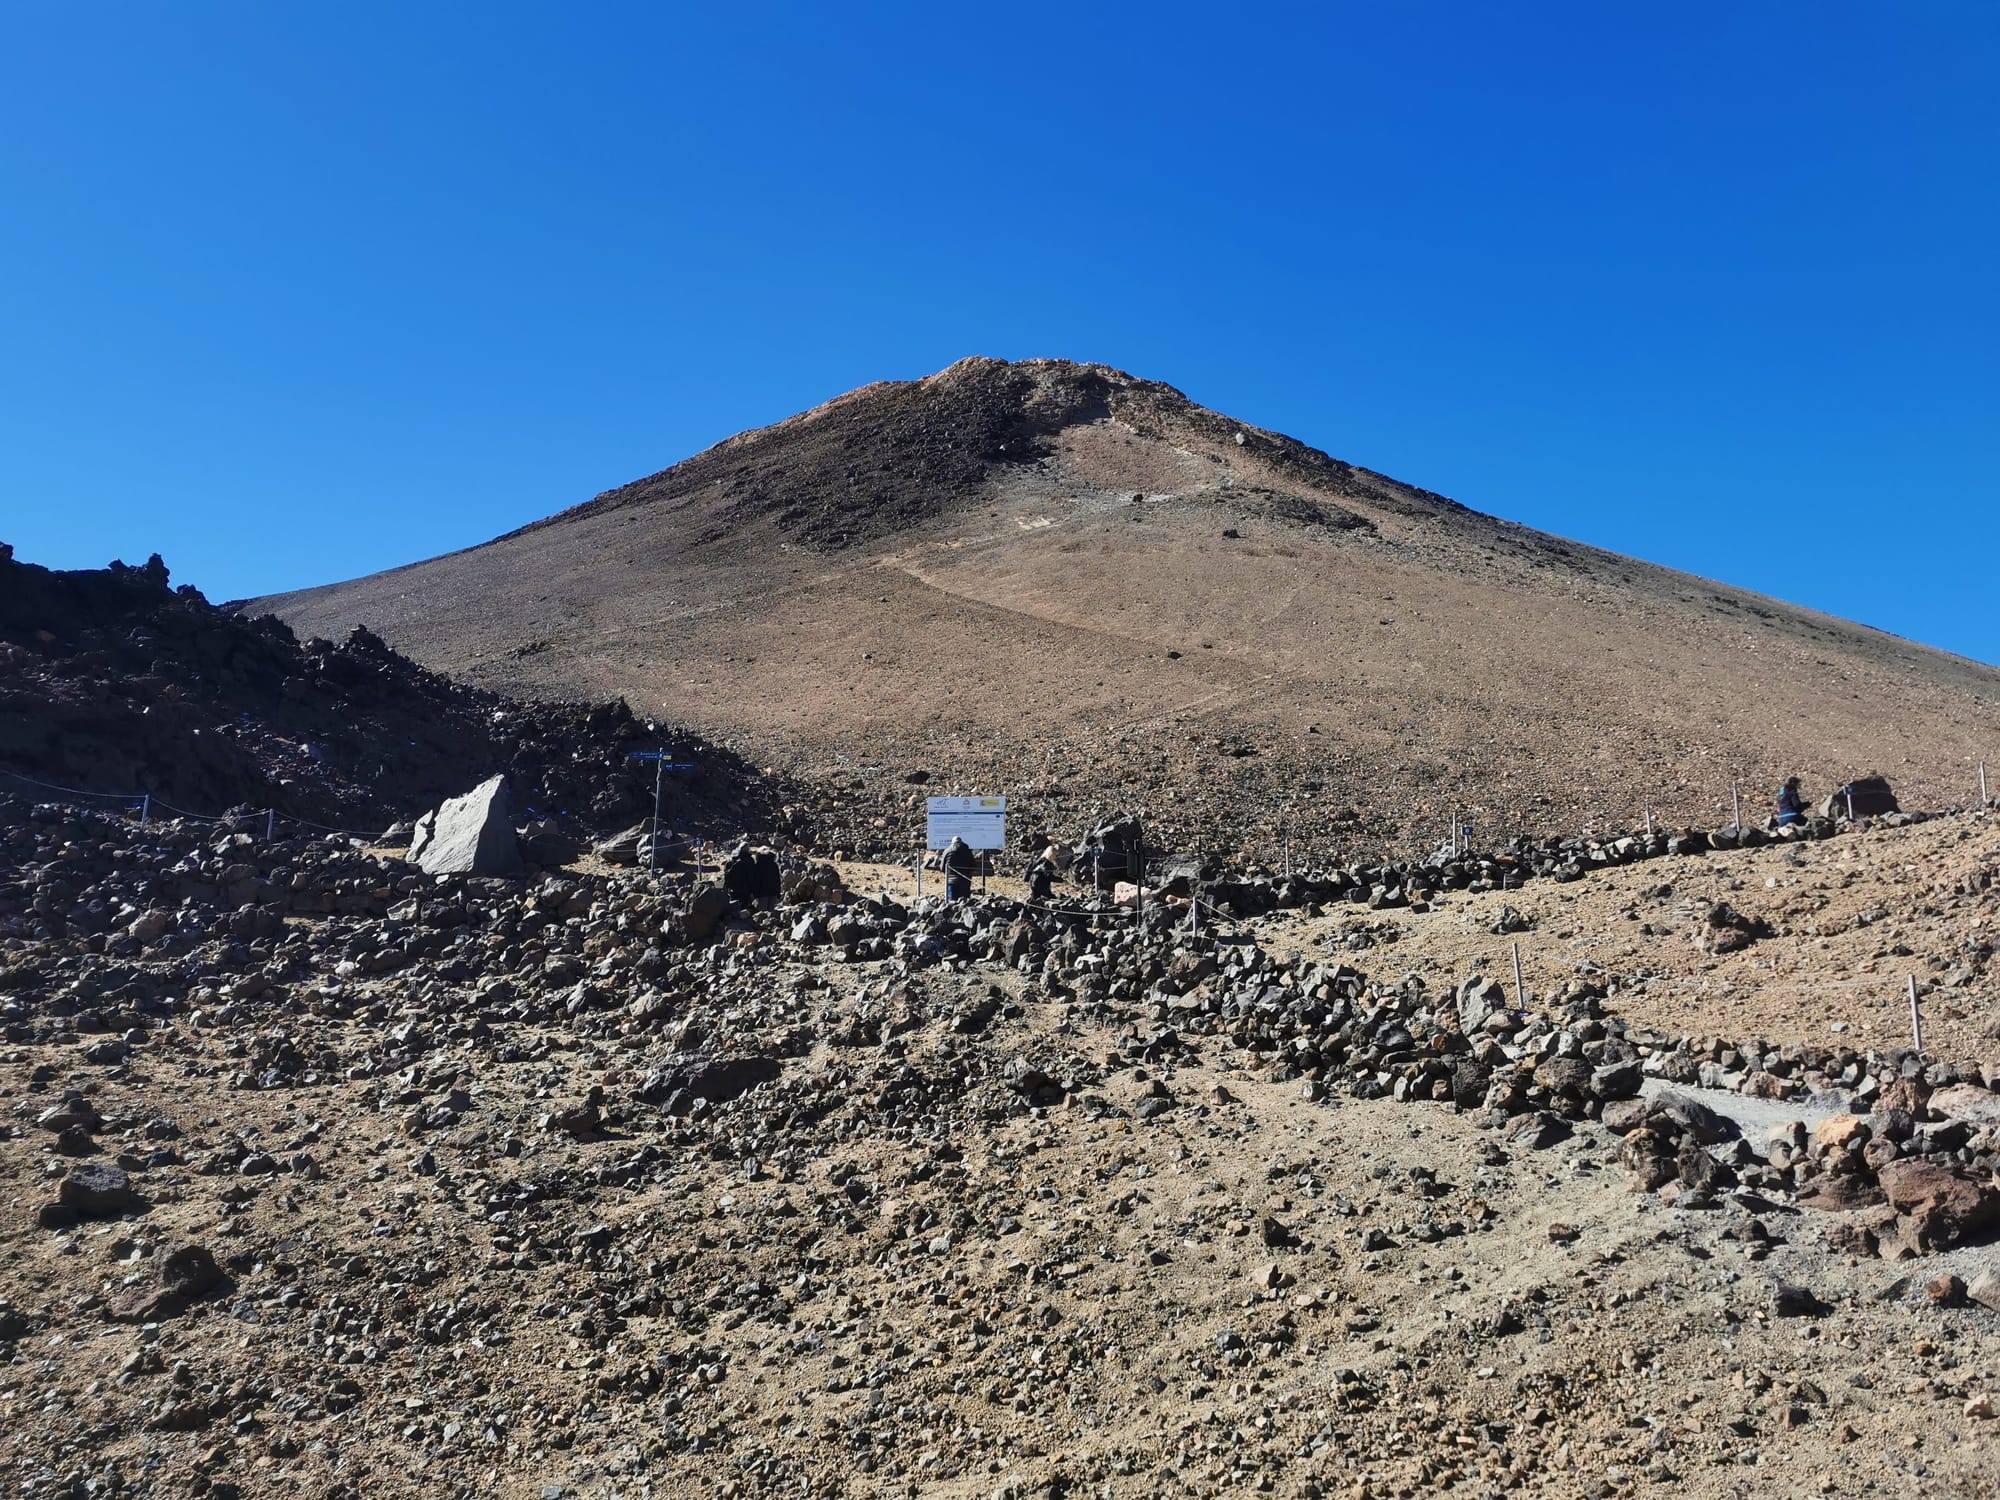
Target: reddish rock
x=1939 y=1208
x=1907 y=1095
x=1649 y=1158
x=1871 y=1231
x=1840 y=1193
x=1946 y=1290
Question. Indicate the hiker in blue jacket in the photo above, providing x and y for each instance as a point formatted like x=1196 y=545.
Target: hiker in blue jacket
x=1791 y=807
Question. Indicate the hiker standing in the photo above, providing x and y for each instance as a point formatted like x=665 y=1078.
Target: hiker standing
x=1042 y=878
x=958 y=863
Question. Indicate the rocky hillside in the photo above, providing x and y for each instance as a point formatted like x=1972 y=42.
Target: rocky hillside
x=1086 y=590
x=327 y=1177
x=112 y=681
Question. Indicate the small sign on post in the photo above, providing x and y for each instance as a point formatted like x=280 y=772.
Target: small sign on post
x=660 y=765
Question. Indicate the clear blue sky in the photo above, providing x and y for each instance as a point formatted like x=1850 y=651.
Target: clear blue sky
x=291 y=292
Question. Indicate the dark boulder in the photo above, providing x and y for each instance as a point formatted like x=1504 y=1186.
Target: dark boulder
x=190 y=1271
x=1695 y=1118
x=675 y=1085
x=97 y=1191
x=706 y=908
x=546 y=843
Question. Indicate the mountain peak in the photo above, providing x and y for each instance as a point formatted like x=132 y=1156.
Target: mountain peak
x=890 y=455
x=1078 y=586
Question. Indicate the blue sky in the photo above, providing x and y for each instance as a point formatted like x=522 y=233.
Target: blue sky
x=294 y=292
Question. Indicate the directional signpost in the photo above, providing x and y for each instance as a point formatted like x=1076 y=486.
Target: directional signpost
x=661 y=765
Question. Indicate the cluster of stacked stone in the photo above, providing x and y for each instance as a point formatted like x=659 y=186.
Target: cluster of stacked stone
x=1402 y=883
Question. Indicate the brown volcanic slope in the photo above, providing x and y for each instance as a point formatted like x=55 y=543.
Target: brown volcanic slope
x=1079 y=587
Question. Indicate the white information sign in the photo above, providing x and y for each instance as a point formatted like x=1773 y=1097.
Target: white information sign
x=980 y=821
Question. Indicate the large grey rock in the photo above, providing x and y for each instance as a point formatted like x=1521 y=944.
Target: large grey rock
x=1478 y=999
x=469 y=835
x=1978 y=1107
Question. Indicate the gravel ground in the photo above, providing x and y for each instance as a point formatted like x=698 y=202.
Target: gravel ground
x=471 y=1234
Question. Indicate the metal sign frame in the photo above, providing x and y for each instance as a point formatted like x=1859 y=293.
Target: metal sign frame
x=661 y=764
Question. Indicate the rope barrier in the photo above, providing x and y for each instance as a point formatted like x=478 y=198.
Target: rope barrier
x=74 y=791
x=1735 y=987
x=359 y=833
x=135 y=799
x=139 y=798
x=182 y=812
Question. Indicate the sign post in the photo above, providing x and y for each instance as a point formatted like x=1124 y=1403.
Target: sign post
x=661 y=765
x=980 y=821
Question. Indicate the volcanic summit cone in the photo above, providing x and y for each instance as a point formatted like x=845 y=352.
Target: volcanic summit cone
x=1081 y=588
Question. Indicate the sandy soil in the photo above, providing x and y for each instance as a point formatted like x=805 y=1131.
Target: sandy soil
x=1245 y=1292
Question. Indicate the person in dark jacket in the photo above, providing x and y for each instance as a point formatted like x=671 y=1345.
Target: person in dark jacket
x=1042 y=878
x=958 y=864
x=752 y=875
x=1791 y=806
